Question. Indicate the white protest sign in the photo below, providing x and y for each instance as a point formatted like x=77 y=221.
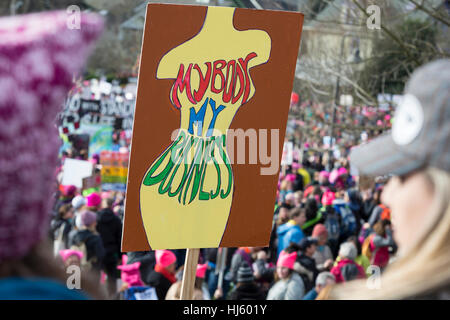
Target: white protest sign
x=74 y=171
x=288 y=153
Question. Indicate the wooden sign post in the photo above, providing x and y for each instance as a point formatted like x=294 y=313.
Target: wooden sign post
x=190 y=268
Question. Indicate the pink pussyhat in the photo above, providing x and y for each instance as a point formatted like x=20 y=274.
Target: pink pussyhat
x=93 y=200
x=201 y=270
x=342 y=171
x=328 y=198
x=295 y=165
x=131 y=274
x=165 y=257
x=287 y=259
x=65 y=254
x=39 y=56
x=290 y=177
x=324 y=174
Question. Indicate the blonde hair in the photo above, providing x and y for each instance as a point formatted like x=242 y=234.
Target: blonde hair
x=425 y=267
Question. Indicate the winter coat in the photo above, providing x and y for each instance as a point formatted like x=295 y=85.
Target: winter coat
x=94 y=246
x=347 y=270
x=311 y=295
x=247 y=291
x=322 y=254
x=265 y=270
x=306 y=267
x=291 y=288
x=238 y=258
x=147 y=260
x=380 y=249
x=109 y=227
x=287 y=233
x=159 y=282
x=375 y=216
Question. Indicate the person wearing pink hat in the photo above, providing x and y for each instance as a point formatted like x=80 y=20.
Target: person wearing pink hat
x=323 y=255
x=324 y=177
x=39 y=56
x=71 y=257
x=200 y=291
x=93 y=202
x=289 y=285
x=163 y=275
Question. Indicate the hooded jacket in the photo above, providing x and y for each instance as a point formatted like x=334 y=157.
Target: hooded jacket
x=109 y=227
x=287 y=233
x=94 y=245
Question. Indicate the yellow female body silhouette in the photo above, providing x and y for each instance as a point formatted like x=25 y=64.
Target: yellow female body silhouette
x=186 y=195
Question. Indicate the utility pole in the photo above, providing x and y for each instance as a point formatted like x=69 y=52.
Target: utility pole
x=336 y=97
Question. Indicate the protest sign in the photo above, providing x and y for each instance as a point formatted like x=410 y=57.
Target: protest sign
x=114 y=170
x=107 y=111
x=91 y=184
x=203 y=72
x=288 y=153
x=74 y=171
x=101 y=138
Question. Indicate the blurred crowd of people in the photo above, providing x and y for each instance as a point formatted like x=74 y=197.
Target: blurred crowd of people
x=325 y=230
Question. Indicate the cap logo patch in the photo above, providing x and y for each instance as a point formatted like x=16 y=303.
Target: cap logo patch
x=409 y=120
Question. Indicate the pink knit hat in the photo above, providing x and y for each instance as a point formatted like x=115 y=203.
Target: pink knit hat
x=342 y=171
x=328 y=198
x=69 y=191
x=93 y=200
x=201 y=270
x=324 y=174
x=131 y=274
x=65 y=254
x=290 y=177
x=39 y=55
x=165 y=257
x=287 y=259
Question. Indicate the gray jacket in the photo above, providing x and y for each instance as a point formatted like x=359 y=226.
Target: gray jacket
x=287 y=289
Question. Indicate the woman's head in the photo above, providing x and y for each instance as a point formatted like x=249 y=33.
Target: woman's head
x=347 y=250
x=65 y=211
x=285 y=264
x=320 y=233
x=418 y=202
x=166 y=259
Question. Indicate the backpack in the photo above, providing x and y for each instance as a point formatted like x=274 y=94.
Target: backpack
x=366 y=248
x=348 y=220
x=386 y=213
x=332 y=225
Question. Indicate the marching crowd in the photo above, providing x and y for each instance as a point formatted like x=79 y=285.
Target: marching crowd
x=325 y=230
